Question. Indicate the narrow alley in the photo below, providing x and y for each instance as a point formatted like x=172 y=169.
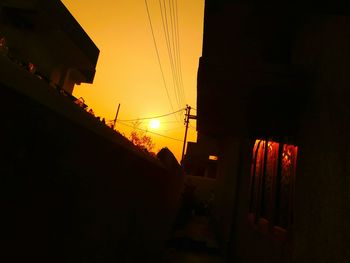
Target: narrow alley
x=193 y=243
x=193 y=239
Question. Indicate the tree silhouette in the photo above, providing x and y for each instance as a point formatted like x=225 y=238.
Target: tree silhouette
x=140 y=138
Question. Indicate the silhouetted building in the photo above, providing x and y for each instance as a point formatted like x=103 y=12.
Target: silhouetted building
x=72 y=189
x=199 y=161
x=168 y=159
x=200 y=166
x=273 y=90
x=43 y=37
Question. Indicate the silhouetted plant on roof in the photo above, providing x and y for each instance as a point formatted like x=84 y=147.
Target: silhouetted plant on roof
x=141 y=139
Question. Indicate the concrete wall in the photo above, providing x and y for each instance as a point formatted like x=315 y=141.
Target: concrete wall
x=247 y=242
x=225 y=192
x=320 y=231
x=72 y=190
x=248 y=89
x=322 y=214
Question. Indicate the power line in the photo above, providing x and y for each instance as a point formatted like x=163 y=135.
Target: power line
x=175 y=33
x=154 y=117
x=191 y=127
x=170 y=28
x=171 y=122
x=178 y=47
x=168 y=45
x=161 y=135
x=159 y=62
x=175 y=40
x=173 y=129
x=170 y=23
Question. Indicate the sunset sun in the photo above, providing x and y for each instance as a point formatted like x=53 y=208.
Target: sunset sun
x=154 y=124
x=122 y=31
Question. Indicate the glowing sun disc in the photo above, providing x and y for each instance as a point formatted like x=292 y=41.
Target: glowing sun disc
x=154 y=124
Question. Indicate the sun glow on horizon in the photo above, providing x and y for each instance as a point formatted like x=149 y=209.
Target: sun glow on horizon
x=128 y=72
x=154 y=124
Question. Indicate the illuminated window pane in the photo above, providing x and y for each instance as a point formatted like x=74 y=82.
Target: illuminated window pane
x=272 y=179
x=257 y=172
x=270 y=173
x=285 y=180
x=213 y=158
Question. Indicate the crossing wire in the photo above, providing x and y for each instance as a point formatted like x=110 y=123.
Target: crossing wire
x=175 y=33
x=178 y=47
x=161 y=135
x=170 y=23
x=170 y=28
x=154 y=117
x=158 y=57
x=163 y=12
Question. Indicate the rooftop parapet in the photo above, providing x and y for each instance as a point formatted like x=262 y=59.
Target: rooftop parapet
x=44 y=33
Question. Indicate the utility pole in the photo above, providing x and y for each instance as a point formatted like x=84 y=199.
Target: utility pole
x=188 y=116
x=116 y=116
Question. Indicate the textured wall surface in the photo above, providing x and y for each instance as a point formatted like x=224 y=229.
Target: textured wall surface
x=73 y=194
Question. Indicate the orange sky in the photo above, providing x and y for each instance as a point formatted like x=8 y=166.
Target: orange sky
x=128 y=71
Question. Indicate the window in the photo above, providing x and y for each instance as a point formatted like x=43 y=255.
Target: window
x=201 y=165
x=271 y=185
x=213 y=157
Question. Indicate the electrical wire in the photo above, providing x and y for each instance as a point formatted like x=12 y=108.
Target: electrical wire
x=193 y=128
x=158 y=57
x=177 y=48
x=163 y=12
x=170 y=23
x=170 y=122
x=154 y=117
x=174 y=48
x=177 y=33
x=161 y=135
x=170 y=28
x=173 y=129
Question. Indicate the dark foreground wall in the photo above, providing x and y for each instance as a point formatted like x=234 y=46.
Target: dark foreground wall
x=73 y=194
x=319 y=229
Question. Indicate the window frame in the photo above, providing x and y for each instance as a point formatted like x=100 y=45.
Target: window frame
x=268 y=224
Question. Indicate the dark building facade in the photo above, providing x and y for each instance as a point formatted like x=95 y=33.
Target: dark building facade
x=273 y=91
x=45 y=37
x=71 y=188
